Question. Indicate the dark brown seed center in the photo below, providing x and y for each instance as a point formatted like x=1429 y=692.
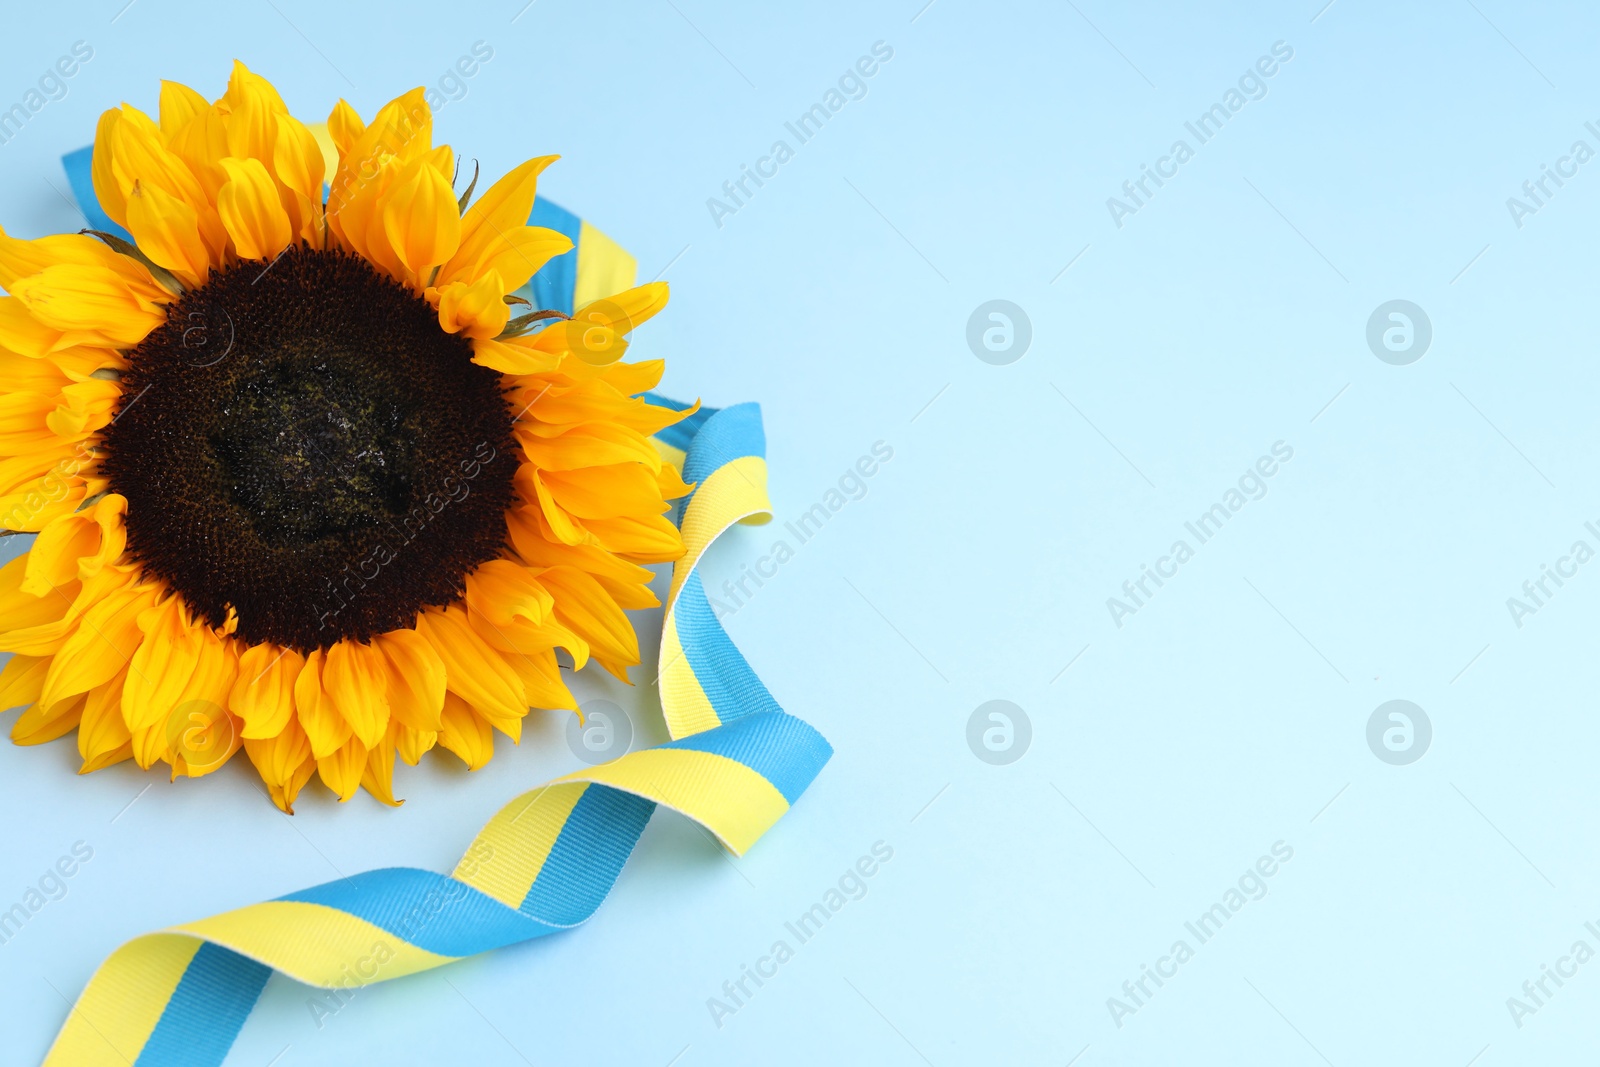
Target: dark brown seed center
x=302 y=442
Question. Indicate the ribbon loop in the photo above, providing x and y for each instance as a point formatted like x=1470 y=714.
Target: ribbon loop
x=544 y=863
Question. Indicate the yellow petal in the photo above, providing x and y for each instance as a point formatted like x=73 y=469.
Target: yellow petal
x=103 y=646
x=22 y=680
x=251 y=211
x=377 y=778
x=504 y=206
x=596 y=331
x=37 y=487
x=284 y=762
x=23 y=258
x=108 y=758
x=107 y=514
x=53 y=558
x=519 y=638
x=252 y=103
x=478 y=310
x=31 y=625
x=466 y=734
x=297 y=163
x=139 y=153
x=23 y=425
x=168 y=231
x=603 y=492
x=473 y=670
x=21 y=332
x=202 y=144
x=175 y=696
x=670 y=484
x=627 y=583
x=40 y=723
x=204 y=735
x=517 y=255
x=113 y=201
x=22 y=374
x=179 y=106
x=76 y=546
x=591 y=444
x=341 y=770
x=103 y=736
x=353 y=681
x=263 y=694
x=583 y=605
x=416 y=680
x=641 y=538
x=90 y=301
x=401 y=131
x=541 y=678
x=325 y=727
x=244 y=84
x=512 y=356
x=420 y=217
x=83 y=408
x=562 y=526
x=159 y=669
x=504 y=591
x=402 y=128
x=412 y=744
x=356 y=221
x=344 y=126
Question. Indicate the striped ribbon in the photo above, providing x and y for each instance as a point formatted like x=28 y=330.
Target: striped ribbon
x=735 y=764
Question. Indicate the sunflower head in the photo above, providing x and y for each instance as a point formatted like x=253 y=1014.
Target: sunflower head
x=308 y=477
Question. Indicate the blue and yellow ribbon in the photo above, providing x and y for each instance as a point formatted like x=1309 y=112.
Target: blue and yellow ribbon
x=735 y=764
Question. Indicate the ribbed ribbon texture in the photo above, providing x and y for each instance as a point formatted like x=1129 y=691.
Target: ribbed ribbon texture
x=735 y=764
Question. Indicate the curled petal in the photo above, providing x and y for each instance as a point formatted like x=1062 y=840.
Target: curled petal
x=478 y=310
x=251 y=211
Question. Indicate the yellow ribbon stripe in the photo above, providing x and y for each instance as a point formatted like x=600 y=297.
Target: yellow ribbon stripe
x=544 y=863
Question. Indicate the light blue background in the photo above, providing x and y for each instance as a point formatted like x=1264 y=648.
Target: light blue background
x=1223 y=717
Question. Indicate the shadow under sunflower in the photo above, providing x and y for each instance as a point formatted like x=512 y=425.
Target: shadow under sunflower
x=301 y=482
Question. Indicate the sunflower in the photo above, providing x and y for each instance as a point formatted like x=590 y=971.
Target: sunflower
x=302 y=482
